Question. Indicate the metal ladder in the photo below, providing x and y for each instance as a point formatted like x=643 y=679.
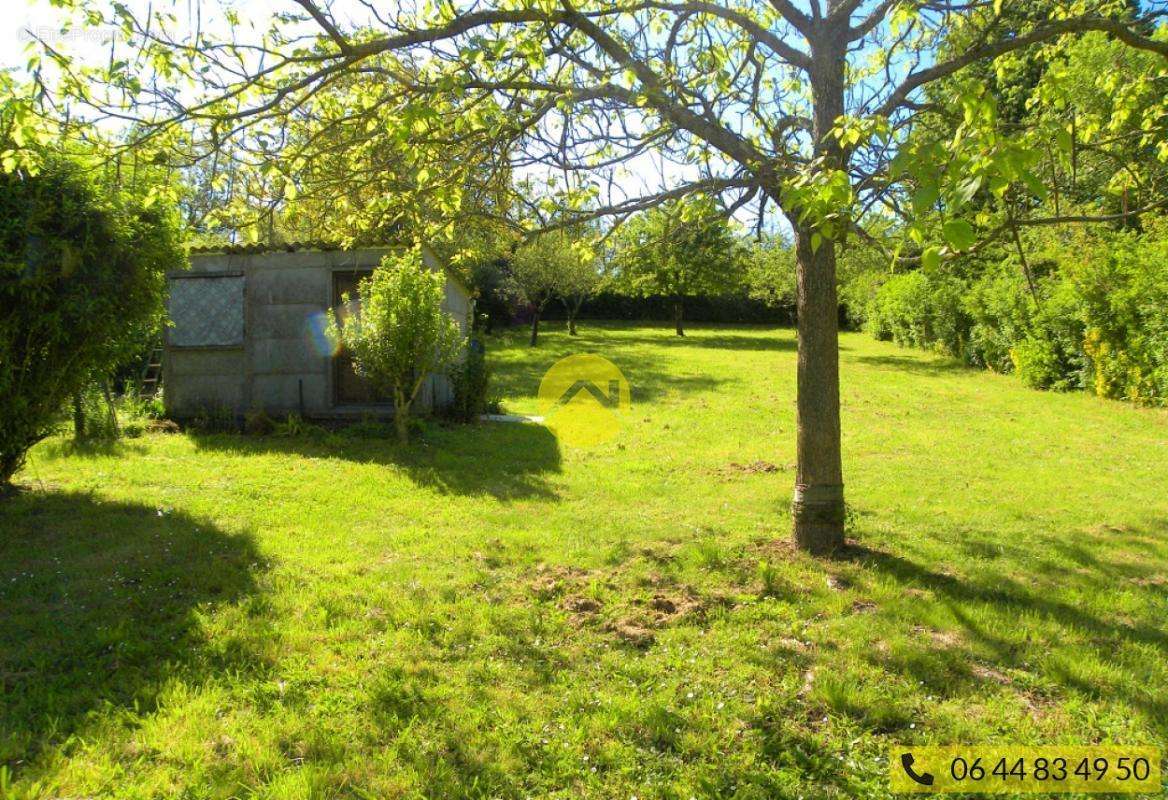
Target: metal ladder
x=152 y=374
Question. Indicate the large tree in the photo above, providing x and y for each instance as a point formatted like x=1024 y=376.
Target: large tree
x=774 y=104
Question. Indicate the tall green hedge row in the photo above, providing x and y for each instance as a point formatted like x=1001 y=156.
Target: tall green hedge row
x=1086 y=309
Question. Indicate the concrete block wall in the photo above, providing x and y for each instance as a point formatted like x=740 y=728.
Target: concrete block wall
x=282 y=365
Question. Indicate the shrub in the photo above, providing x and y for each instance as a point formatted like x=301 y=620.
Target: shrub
x=1093 y=319
x=134 y=406
x=1123 y=285
x=918 y=310
x=398 y=333
x=258 y=423
x=1000 y=310
x=81 y=282
x=295 y=426
x=93 y=418
x=471 y=379
x=214 y=419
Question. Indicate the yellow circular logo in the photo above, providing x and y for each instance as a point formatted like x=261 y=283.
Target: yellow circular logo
x=581 y=399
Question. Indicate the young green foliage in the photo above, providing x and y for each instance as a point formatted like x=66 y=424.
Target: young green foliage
x=678 y=250
x=555 y=264
x=397 y=332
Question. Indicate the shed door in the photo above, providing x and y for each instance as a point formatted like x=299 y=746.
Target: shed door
x=349 y=387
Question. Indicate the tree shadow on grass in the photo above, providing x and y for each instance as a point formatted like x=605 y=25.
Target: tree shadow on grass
x=925 y=364
x=771 y=341
x=984 y=606
x=507 y=461
x=92 y=448
x=98 y=610
x=649 y=376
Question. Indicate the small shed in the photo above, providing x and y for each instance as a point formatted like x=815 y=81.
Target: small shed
x=247 y=333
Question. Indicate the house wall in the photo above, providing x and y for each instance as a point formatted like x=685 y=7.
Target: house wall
x=283 y=364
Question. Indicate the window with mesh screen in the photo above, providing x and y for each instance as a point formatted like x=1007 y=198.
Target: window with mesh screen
x=206 y=311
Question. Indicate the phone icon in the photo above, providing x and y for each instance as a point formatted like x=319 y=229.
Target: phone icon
x=906 y=761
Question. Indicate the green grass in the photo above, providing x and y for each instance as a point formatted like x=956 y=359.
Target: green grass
x=487 y=614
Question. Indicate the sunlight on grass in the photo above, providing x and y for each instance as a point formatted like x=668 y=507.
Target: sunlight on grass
x=489 y=614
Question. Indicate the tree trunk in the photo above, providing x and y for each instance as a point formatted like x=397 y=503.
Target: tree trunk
x=678 y=314
x=10 y=462
x=78 y=417
x=572 y=323
x=111 y=412
x=535 y=326
x=401 y=419
x=817 y=507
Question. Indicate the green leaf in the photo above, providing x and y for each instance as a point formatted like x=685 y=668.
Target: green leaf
x=931 y=258
x=959 y=234
x=925 y=198
x=968 y=188
x=1036 y=186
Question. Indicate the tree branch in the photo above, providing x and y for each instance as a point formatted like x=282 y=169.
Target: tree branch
x=992 y=51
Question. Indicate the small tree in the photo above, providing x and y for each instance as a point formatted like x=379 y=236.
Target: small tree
x=579 y=280
x=82 y=274
x=678 y=250
x=398 y=333
x=555 y=264
x=770 y=272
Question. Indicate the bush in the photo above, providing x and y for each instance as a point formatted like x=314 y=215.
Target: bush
x=917 y=310
x=1051 y=355
x=214 y=419
x=93 y=418
x=1000 y=310
x=295 y=426
x=399 y=334
x=82 y=276
x=1095 y=318
x=729 y=308
x=258 y=423
x=1123 y=285
x=471 y=379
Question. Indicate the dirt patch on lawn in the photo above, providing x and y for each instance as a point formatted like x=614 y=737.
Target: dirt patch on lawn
x=987 y=673
x=759 y=467
x=944 y=639
x=632 y=632
x=163 y=426
x=576 y=604
x=633 y=607
x=664 y=608
x=552 y=582
x=659 y=611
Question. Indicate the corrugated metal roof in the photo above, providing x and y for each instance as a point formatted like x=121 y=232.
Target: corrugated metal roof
x=285 y=247
x=319 y=246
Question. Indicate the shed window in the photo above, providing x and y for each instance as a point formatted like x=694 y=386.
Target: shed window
x=206 y=311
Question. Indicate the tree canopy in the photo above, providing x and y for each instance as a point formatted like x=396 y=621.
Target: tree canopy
x=679 y=249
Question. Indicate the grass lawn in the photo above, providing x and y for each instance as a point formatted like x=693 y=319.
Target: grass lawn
x=487 y=614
